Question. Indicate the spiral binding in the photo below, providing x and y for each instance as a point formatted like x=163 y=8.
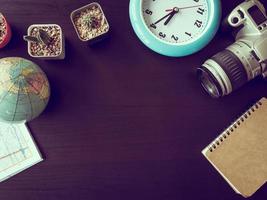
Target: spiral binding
x=218 y=141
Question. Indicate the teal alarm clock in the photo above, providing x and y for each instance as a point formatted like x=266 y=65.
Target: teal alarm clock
x=175 y=28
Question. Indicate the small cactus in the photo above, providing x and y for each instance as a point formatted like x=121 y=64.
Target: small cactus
x=42 y=37
x=90 y=21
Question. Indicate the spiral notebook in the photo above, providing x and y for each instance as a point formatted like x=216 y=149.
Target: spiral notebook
x=239 y=154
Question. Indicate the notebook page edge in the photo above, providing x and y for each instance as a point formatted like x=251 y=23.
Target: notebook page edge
x=204 y=152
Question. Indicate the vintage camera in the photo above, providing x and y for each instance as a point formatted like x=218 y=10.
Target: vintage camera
x=245 y=59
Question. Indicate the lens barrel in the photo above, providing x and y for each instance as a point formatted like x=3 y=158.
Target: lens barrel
x=233 y=67
x=222 y=74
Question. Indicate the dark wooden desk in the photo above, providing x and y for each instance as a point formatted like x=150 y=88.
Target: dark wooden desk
x=123 y=123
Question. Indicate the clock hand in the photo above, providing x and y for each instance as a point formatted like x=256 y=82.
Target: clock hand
x=175 y=11
x=168 y=10
x=164 y=17
x=169 y=19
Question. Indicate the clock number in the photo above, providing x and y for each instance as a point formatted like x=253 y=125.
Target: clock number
x=162 y=35
x=149 y=12
x=198 y=23
x=153 y=26
x=200 y=11
x=175 y=38
x=189 y=34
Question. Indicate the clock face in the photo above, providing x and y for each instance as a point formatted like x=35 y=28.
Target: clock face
x=176 y=21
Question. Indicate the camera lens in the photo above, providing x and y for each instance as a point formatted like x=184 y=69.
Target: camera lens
x=222 y=74
x=209 y=83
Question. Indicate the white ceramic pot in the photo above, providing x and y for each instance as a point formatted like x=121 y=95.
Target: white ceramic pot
x=61 y=55
x=79 y=10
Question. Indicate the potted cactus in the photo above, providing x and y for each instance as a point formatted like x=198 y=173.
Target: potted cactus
x=45 y=41
x=5 y=31
x=90 y=23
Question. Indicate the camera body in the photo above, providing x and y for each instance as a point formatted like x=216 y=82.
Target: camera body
x=245 y=59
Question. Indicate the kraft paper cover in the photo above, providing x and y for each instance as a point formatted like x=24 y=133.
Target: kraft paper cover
x=240 y=152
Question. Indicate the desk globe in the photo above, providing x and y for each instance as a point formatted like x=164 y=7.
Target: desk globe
x=24 y=90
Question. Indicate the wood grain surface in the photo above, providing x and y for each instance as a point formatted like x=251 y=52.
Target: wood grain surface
x=123 y=122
